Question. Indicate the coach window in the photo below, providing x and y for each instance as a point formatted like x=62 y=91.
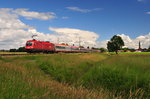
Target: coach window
x=60 y=47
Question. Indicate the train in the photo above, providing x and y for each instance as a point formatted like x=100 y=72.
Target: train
x=34 y=46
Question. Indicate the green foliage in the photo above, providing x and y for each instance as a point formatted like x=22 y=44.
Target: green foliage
x=128 y=49
x=148 y=50
x=115 y=44
x=13 y=50
x=64 y=43
x=81 y=46
x=103 y=49
x=20 y=49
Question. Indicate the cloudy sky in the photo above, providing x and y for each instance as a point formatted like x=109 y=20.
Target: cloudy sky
x=92 y=22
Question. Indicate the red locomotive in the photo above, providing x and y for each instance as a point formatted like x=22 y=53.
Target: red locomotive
x=33 y=46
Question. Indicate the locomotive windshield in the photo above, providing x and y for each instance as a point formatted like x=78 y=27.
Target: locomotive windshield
x=29 y=44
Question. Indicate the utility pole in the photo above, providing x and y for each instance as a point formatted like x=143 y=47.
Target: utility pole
x=149 y=43
x=58 y=40
x=139 y=45
x=78 y=37
x=79 y=41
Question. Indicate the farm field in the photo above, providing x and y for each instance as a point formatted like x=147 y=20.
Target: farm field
x=77 y=75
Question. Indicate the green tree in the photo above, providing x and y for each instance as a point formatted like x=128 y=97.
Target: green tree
x=21 y=49
x=103 y=49
x=93 y=48
x=13 y=50
x=81 y=46
x=148 y=50
x=115 y=44
x=64 y=43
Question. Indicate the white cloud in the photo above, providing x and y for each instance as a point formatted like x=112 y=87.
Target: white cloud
x=9 y=20
x=147 y=12
x=73 y=36
x=102 y=44
x=133 y=43
x=82 y=10
x=65 y=17
x=13 y=32
x=32 y=14
x=140 y=0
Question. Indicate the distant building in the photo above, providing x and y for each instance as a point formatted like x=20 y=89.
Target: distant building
x=127 y=51
x=120 y=50
x=139 y=49
x=139 y=46
x=124 y=51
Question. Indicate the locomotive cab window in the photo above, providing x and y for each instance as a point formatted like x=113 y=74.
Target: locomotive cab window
x=29 y=44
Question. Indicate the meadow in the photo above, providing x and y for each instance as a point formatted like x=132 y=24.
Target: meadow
x=76 y=75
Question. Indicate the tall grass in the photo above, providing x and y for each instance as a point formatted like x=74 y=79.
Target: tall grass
x=69 y=68
x=75 y=76
x=122 y=74
x=21 y=78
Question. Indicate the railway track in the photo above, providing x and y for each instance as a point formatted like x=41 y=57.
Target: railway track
x=15 y=54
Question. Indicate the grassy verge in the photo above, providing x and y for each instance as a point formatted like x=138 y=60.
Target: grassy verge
x=21 y=78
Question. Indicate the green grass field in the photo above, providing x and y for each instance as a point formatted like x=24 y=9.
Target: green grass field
x=78 y=75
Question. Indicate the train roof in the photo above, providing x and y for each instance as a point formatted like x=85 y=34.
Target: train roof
x=35 y=41
x=67 y=45
x=61 y=44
